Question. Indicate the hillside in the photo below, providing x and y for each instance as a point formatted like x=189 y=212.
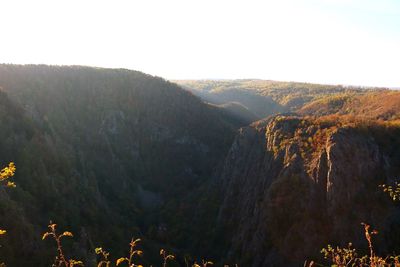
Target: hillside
x=383 y=105
x=265 y=98
x=106 y=153
x=239 y=112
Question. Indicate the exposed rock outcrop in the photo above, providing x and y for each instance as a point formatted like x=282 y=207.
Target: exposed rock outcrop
x=292 y=185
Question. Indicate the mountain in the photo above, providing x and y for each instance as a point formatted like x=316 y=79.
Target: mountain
x=106 y=153
x=259 y=173
x=293 y=184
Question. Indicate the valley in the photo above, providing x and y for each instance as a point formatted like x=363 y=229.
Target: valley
x=248 y=172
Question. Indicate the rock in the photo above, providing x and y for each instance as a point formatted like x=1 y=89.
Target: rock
x=291 y=186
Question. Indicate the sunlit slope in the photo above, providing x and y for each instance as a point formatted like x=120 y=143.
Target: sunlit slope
x=263 y=97
x=104 y=152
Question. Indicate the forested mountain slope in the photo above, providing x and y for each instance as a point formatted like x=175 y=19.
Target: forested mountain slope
x=381 y=105
x=106 y=153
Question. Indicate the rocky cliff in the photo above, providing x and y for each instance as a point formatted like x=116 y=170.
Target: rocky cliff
x=291 y=185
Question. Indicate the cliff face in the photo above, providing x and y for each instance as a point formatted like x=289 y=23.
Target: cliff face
x=292 y=185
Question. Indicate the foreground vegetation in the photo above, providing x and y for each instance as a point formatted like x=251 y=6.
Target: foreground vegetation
x=338 y=256
x=131 y=260
x=349 y=256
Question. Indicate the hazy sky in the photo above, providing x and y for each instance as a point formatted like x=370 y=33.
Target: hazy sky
x=327 y=41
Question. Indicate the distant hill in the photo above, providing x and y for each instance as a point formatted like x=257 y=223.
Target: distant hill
x=264 y=97
x=218 y=93
x=383 y=105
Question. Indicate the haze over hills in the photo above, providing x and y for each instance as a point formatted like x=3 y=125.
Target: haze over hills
x=258 y=173
x=264 y=97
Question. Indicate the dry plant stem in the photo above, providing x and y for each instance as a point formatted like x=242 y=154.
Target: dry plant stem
x=166 y=257
x=60 y=259
x=131 y=252
x=369 y=239
x=59 y=247
x=104 y=254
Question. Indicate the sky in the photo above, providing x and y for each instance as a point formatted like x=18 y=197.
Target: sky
x=351 y=42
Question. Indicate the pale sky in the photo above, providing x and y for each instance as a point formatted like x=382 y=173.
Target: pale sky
x=338 y=42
